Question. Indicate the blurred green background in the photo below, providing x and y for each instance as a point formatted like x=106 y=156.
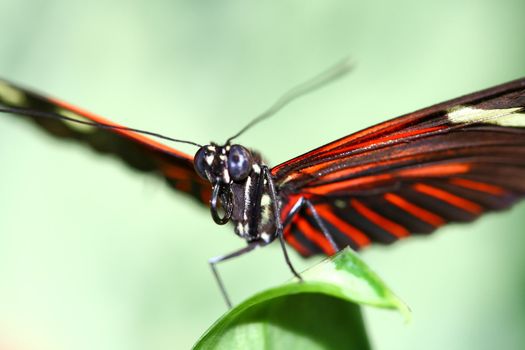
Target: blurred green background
x=95 y=256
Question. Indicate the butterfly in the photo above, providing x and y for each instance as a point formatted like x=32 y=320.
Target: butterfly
x=451 y=162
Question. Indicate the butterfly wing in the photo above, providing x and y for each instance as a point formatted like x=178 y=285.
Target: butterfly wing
x=451 y=162
x=136 y=150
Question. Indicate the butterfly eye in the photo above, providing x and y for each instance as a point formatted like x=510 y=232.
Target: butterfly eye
x=239 y=162
x=199 y=162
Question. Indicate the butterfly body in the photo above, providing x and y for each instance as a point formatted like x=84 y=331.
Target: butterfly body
x=241 y=188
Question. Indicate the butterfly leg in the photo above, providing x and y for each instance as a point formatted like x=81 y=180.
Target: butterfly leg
x=214 y=261
x=278 y=223
x=305 y=203
x=321 y=225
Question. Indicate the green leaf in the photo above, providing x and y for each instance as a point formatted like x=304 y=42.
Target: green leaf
x=320 y=313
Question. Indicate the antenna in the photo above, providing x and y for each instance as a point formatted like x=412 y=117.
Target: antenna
x=51 y=115
x=333 y=73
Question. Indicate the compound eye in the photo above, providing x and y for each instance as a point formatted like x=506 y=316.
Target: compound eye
x=239 y=163
x=199 y=162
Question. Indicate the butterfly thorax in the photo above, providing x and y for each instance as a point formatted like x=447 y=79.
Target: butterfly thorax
x=253 y=213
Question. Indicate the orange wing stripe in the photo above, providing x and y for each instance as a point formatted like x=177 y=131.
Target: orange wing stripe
x=439 y=170
x=206 y=195
x=344 y=185
x=315 y=236
x=343 y=145
x=415 y=210
x=385 y=139
x=285 y=210
x=290 y=238
x=350 y=143
x=355 y=235
x=445 y=196
x=386 y=224
x=383 y=127
x=478 y=186
x=339 y=142
x=133 y=135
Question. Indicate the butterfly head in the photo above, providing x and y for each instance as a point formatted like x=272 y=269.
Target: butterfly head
x=222 y=166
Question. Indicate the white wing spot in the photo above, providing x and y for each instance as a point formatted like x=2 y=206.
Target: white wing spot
x=510 y=117
x=340 y=203
x=12 y=95
x=76 y=126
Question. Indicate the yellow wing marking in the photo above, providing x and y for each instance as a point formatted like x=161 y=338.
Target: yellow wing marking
x=511 y=117
x=11 y=95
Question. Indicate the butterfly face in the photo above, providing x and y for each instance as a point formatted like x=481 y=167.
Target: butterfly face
x=222 y=165
x=227 y=168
